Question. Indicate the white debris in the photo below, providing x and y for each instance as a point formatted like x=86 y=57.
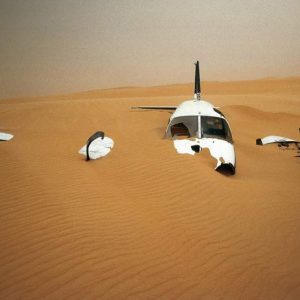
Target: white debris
x=5 y=136
x=274 y=139
x=221 y=150
x=98 y=147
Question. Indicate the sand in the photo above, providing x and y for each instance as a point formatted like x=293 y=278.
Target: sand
x=145 y=222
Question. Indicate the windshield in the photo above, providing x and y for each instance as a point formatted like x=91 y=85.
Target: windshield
x=211 y=127
x=214 y=127
x=183 y=126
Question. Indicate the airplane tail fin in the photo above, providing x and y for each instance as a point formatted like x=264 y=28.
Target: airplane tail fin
x=197 y=92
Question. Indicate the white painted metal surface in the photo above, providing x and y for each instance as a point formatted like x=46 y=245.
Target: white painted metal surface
x=275 y=139
x=5 y=136
x=195 y=108
x=98 y=148
x=221 y=150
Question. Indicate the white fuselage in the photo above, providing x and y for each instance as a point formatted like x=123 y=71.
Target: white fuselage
x=203 y=126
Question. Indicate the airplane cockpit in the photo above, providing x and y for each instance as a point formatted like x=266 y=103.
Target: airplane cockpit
x=199 y=127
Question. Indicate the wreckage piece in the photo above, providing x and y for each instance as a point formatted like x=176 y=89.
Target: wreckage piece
x=97 y=146
x=280 y=140
x=198 y=124
x=155 y=107
x=5 y=136
x=275 y=139
x=96 y=135
x=222 y=151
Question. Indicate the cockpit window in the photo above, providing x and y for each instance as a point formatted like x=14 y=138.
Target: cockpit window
x=183 y=126
x=210 y=127
x=214 y=127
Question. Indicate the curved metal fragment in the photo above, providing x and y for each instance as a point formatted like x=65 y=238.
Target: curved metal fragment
x=98 y=134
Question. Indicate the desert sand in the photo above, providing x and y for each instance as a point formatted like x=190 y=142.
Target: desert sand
x=146 y=222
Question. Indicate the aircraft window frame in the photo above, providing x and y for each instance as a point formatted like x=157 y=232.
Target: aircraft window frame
x=222 y=133
x=186 y=126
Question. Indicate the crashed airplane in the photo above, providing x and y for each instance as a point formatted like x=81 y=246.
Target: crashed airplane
x=197 y=124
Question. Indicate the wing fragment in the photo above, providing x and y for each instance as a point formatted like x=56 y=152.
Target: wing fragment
x=5 y=136
x=155 y=107
x=274 y=139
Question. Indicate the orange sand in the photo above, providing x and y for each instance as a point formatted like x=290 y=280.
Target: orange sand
x=145 y=222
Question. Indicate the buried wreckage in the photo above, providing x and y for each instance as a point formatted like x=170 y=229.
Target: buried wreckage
x=197 y=124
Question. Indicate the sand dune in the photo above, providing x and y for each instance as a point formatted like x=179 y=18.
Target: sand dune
x=145 y=222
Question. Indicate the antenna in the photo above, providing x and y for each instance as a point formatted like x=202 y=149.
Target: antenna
x=197 y=92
